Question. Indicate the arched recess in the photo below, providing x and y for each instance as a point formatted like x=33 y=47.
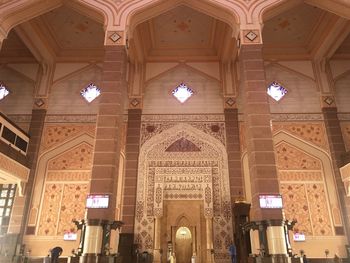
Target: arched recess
x=208 y=161
x=136 y=13
x=41 y=172
x=17 y=12
x=313 y=151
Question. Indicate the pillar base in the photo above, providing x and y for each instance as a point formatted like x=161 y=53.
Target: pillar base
x=94 y=258
x=278 y=258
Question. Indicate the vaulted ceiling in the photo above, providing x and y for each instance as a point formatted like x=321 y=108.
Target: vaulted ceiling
x=298 y=32
x=181 y=33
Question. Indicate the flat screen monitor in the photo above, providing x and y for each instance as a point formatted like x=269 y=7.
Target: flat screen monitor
x=298 y=237
x=97 y=201
x=270 y=201
x=70 y=236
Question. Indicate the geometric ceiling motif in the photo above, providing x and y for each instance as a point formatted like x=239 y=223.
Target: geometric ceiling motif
x=294 y=27
x=71 y=30
x=183 y=27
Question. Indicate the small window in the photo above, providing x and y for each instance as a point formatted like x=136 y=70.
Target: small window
x=21 y=144
x=3 y=91
x=8 y=135
x=182 y=93
x=90 y=93
x=276 y=91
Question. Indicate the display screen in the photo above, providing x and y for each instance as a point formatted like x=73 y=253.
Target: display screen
x=70 y=236
x=298 y=237
x=97 y=201
x=270 y=201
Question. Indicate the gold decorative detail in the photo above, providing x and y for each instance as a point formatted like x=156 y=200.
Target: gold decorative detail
x=72 y=206
x=54 y=135
x=313 y=132
x=300 y=175
x=50 y=208
x=79 y=158
x=291 y=158
x=68 y=176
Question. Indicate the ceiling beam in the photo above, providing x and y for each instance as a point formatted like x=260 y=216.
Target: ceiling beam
x=37 y=43
x=332 y=35
x=338 y=7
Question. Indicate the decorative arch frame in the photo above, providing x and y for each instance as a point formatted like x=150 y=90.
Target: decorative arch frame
x=135 y=14
x=311 y=150
x=222 y=215
x=41 y=171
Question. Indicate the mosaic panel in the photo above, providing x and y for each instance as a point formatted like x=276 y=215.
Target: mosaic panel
x=321 y=222
x=54 y=135
x=72 y=206
x=296 y=206
x=291 y=158
x=50 y=209
x=314 y=133
x=79 y=158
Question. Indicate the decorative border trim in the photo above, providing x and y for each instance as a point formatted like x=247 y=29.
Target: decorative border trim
x=344 y=116
x=291 y=117
x=183 y=118
x=71 y=118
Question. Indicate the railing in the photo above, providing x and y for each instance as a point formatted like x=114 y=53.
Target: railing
x=13 y=135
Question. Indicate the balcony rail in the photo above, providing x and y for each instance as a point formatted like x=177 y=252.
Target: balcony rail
x=12 y=135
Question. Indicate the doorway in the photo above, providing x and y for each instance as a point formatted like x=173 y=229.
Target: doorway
x=183 y=243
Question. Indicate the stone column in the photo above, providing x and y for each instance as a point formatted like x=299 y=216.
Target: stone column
x=337 y=149
x=104 y=177
x=261 y=156
x=132 y=149
x=233 y=153
x=260 y=148
x=157 y=244
x=35 y=132
x=209 y=230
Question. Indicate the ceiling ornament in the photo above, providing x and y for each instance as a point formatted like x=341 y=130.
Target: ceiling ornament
x=251 y=36
x=230 y=102
x=39 y=102
x=134 y=102
x=328 y=100
x=115 y=37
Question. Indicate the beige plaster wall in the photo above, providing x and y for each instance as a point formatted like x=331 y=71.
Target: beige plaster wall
x=302 y=96
x=342 y=92
x=20 y=100
x=207 y=97
x=65 y=95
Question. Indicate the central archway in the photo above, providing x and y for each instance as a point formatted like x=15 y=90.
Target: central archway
x=183 y=170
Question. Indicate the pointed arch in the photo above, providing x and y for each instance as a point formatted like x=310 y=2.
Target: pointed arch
x=17 y=12
x=41 y=170
x=136 y=13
